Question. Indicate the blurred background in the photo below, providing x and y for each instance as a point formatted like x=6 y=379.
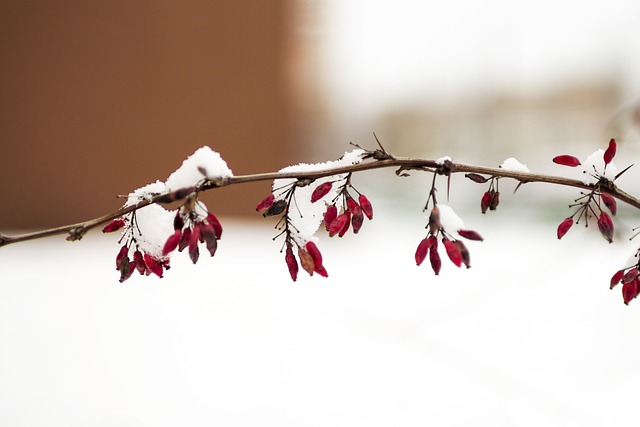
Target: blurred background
x=100 y=98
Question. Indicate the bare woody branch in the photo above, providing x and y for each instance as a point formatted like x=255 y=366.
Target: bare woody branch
x=76 y=231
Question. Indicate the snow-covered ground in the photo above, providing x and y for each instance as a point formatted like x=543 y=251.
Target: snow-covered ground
x=530 y=336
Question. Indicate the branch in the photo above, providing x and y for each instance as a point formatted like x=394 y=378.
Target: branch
x=447 y=167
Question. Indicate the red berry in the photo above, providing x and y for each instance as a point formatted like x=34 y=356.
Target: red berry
x=184 y=240
x=321 y=271
x=194 y=252
x=153 y=264
x=292 y=264
x=266 y=203
x=470 y=234
x=434 y=258
x=122 y=257
x=605 y=224
x=610 y=152
x=139 y=260
x=208 y=235
x=616 y=278
x=351 y=204
x=321 y=191
x=315 y=253
x=495 y=201
x=567 y=160
x=466 y=258
x=114 y=225
x=365 y=204
x=178 y=221
x=453 y=252
x=338 y=224
x=126 y=270
x=486 y=201
x=422 y=250
x=357 y=218
x=330 y=215
x=629 y=291
x=610 y=202
x=564 y=227
x=630 y=275
x=217 y=227
x=172 y=242
x=346 y=224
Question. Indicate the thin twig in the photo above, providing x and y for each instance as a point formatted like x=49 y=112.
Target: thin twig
x=76 y=231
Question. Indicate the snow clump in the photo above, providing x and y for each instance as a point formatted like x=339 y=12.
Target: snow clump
x=304 y=227
x=513 y=165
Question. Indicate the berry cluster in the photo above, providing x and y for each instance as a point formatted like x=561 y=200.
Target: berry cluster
x=192 y=227
x=630 y=279
x=600 y=175
x=310 y=259
x=144 y=262
x=343 y=212
x=305 y=200
x=456 y=250
x=192 y=224
x=353 y=212
x=589 y=204
x=491 y=198
x=308 y=253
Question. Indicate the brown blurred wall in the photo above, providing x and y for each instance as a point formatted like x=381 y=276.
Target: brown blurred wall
x=98 y=98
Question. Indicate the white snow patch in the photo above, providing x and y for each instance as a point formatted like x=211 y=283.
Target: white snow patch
x=349 y=158
x=593 y=167
x=441 y=160
x=513 y=165
x=189 y=174
x=203 y=163
x=153 y=225
x=449 y=219
x=146 y=193
x=306 y=217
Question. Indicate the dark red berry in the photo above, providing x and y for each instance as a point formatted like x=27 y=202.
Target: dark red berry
x=564 y=226
x=172 y=242
x=114 y=225
x=321 y=191
x=567 y=160
x=616 y=278
x=266 y=203
x=610 y=152
x=453 y=252
x=470 y=234
x=605 y=224
x=292 y=263
x=422 y=250
x=365 y=204
x=610 y=202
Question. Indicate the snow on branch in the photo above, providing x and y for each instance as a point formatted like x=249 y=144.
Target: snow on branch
x=321 y=198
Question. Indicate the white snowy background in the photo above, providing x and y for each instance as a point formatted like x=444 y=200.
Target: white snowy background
x=530 y=336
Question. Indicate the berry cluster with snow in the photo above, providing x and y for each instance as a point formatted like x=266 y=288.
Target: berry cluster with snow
x=154 y=232
x=304 y=206
x=311 y=198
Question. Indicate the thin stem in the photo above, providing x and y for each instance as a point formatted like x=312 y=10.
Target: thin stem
x=76 y=231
